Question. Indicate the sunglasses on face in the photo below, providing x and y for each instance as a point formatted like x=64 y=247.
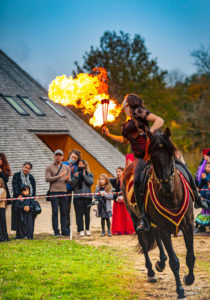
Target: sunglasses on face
x=58 y=154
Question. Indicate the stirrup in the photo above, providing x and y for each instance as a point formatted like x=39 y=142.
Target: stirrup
x=143 y=224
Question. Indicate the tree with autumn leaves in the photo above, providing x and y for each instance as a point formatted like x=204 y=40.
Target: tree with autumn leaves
x=184 y=106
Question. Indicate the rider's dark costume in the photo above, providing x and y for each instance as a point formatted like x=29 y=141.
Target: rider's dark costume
x=135 y=132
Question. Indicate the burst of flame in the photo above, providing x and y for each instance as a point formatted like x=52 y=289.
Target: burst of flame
x=85 y=92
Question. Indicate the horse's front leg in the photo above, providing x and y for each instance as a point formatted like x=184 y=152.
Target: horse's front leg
x=150 y=273
x=190 y=257
x=174 y=263
x=160 y=265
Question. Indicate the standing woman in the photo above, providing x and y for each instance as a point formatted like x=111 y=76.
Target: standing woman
x=20 y=178
x=134 y=131
x=121 y=220
x=5 y=172
x=82 y=185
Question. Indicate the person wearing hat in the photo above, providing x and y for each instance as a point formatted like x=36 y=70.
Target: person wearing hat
x=58 y=175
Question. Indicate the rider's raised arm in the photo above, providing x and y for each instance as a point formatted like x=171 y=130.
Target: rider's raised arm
x=116 y=138
x=157 y=122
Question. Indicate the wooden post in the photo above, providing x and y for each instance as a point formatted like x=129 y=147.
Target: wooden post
x=71 y=215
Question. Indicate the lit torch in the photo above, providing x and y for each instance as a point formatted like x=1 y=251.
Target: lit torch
x=105 y=110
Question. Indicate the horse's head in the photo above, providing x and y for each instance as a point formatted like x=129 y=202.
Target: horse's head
x=162 y=151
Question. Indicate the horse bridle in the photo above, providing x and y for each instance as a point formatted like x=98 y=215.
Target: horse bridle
x=168 y=179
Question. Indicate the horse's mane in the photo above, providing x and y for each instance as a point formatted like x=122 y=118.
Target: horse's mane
x=158 y=139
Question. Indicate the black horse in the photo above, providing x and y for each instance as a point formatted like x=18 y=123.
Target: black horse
x=171 y=190
x=147 y=240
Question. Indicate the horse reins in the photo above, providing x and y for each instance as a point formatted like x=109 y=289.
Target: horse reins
x=168 y=179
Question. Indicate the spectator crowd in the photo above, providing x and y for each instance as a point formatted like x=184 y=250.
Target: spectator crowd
x=64 y=177
x=74 y=175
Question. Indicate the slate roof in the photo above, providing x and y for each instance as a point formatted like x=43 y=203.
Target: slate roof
x=17 y=133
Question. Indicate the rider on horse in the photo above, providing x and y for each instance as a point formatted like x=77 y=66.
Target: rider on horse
x=134 y=131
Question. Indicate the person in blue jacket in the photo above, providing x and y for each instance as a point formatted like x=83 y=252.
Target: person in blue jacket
x=73 y=160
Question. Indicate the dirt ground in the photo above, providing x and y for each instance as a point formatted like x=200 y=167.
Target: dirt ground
x=165 y=287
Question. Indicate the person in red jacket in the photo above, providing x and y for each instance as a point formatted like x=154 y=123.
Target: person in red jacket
x=121 y=220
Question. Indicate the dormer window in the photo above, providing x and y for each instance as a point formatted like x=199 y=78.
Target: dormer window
x=15 y=105
x=32 y=105
x=49 y=103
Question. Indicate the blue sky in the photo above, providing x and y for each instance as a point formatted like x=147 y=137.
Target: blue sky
x=45 y=37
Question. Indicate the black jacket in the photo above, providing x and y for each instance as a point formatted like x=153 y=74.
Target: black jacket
x=86 y=182
x=16 y=186
x=116 y=185
x=17 y=183
x=26 y=202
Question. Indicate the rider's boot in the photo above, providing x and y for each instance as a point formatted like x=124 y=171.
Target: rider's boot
x=143 y=223
x=199 y=200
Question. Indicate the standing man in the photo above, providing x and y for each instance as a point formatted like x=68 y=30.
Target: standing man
x=72 y=162
x=58 y=175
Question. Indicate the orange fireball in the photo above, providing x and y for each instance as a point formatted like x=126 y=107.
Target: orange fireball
x=85 y=92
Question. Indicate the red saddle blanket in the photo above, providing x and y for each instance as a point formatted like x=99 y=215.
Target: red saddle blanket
x=173 y=217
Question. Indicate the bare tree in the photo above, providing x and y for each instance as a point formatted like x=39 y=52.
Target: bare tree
x=202 y=60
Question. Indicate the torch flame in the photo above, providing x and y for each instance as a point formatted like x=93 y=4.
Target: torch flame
x=85 y=92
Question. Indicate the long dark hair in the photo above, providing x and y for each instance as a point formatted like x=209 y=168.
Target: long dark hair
x=87 y=168
x=5 y=165
x=135 y=103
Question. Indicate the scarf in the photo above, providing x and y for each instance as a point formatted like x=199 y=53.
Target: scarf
x=25 y=180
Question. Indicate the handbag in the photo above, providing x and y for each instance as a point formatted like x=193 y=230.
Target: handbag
x=48 y=192
x=37 y=208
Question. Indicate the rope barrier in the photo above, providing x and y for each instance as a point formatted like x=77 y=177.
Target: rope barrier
x=82 y=194
x=62 y=195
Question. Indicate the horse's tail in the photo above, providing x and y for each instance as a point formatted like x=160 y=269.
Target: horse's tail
x=147 y=241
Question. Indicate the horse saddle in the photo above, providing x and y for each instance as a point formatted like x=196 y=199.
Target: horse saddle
x=144 y=176
x=182 y=170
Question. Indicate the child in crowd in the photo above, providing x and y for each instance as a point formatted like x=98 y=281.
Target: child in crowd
x=201 y=167
x=205 y=177
x=3 y=205
x=203 y=219
x=104 y=208
x=27 y=210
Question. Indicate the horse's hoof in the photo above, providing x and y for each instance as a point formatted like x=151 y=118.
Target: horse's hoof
x=181 y=294
x=152 y=279
x=158 y=267
x=188 y=280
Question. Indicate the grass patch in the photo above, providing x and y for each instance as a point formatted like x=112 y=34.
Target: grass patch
x=42 y=269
